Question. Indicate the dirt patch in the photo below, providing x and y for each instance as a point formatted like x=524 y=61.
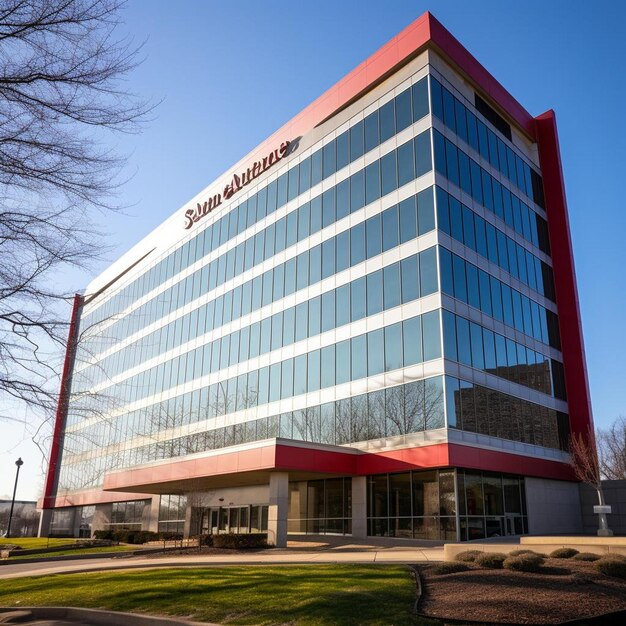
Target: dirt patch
x=564 y=590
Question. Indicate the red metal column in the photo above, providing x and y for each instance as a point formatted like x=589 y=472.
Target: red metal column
x=61 y=412
x=573 y=348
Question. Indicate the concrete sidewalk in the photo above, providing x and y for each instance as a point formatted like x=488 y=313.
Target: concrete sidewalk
x=313 y=553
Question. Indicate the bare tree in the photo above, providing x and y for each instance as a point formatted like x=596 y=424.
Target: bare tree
x=612 y=450
x=62 y=64
x=584 y=461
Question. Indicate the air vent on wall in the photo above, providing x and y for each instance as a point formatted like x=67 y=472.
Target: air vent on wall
x=496 y=119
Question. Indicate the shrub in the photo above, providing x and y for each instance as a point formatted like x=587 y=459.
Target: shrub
x=205 y=540
x=524 y=563
x=469 y=556
x=610 y=566
x=450 y=567
x=586 y=556
x=104 y=534
x=563 y=553
x=127 y=536
x=491 y=560
x=240 y=541
x=520 y=552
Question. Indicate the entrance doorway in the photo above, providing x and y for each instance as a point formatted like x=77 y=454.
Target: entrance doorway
x=234 y=519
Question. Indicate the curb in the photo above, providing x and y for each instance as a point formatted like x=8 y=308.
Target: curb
x=95 y=616
x=120 y=554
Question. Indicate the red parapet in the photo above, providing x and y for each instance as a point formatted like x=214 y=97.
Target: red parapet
x=62 y=404
x=570 y=324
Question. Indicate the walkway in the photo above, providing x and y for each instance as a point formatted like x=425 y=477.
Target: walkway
x=299 y=552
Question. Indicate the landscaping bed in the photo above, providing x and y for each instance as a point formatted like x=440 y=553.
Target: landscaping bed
x=561 y=590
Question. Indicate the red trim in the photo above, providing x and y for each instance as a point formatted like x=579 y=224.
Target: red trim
x=302 y=458
x=61 y=412
x=573 y=348
x=495 y=461
x=93 y=496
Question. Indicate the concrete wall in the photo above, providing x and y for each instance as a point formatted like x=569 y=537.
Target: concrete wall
x=615 y=495
x=553 y=507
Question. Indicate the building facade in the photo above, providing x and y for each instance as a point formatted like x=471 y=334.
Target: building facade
x=368 y=326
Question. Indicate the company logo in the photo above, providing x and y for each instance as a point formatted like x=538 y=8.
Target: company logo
x=238 y=182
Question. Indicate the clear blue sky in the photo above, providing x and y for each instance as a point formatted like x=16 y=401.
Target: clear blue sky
x=231 y=73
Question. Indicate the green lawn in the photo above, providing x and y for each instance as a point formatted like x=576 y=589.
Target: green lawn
x=35 y=542
x=304 y=594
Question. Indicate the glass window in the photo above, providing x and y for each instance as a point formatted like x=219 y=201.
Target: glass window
x=432 y=335
x=410 y=279
x=342 y=370
x=328 y=207
x=357 y=244
x=372 y=138
x=343 y=199
x=393 y=347
x=425 y=211
x=359 y=357
x=408 y=221
x=391 y=285
x=372 y=182
x=357 y=190
x=373 y=231
x=375 y=352
x=445 y=267
x=423 y=159
x=389 y=173
x=406 y=163
x=328 y=258
x=449 y=336
x=420 y=99
x=374 y=292
x=342 y=305
x=343 y=156
x=412 y=340
x=356 y=141
x=390 y=228
x=357 y=299
x=387 y=121
x=428 y=271
x=463 y=341
x=328 y=311
x=328 y=366
x=329 y=159
x=343 y=251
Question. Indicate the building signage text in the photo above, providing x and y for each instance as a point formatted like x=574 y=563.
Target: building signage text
x=238 y=182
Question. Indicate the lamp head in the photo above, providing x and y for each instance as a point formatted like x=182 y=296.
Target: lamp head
x=19 y=462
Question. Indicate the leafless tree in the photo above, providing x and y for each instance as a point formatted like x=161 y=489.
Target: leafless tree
x=612 y=450
x=62 y=66
x=584 y=461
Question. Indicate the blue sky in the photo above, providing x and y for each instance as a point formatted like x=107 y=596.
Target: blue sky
x=229 y=74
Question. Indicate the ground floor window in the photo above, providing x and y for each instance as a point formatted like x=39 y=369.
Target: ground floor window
x=172 y=514
x=62 y=522
x=128 y=515
x=251 y=518
x=321 y=507
x=414 y=505
x=491 y=505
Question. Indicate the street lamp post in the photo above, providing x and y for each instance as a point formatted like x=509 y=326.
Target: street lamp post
x=19 y=464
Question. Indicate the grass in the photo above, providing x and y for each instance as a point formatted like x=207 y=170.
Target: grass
x=306 y=595
x=29 y=543
x=77 y=551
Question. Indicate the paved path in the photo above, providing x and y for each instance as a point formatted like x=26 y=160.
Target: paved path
x=289 y=556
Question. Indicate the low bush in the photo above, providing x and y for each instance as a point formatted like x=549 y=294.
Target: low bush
x=205 y=540
x=586 y=556
x=240 y=541
x=469 y=556
x=520 y=552
x=524 y=563
x=610 y=566
x=127 y=536
x=450 y=567
x=491 y=560
x=563 y=553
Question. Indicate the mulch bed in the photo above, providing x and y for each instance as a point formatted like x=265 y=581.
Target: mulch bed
x=564 y=590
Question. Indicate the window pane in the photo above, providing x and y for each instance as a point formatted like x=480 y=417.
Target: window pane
x=431 y=335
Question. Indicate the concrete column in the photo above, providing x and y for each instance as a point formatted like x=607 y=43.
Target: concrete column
x=151 y=515
x=359 y=507
x=101 y=517
x=278 y=508
x=44 y=522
